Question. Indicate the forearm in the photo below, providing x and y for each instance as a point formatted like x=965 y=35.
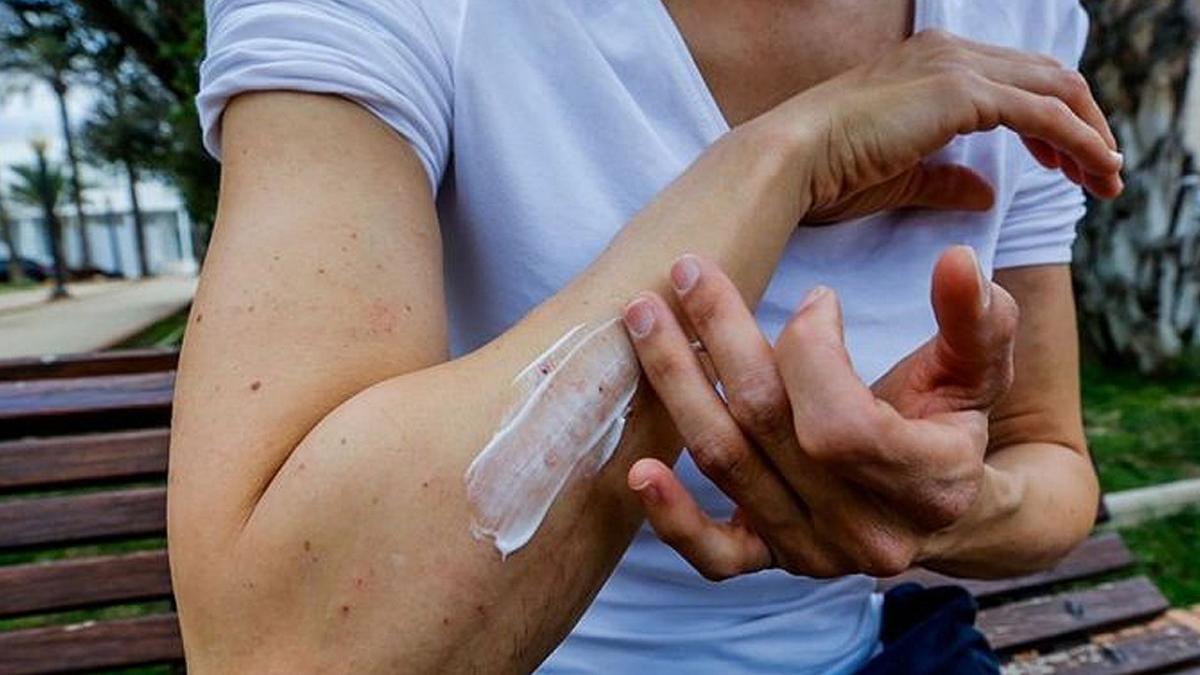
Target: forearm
x=1037 y=501
x=385 y=538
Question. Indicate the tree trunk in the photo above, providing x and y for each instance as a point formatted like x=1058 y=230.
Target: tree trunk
x=54 y=230
x=1137 y=270
x=85 y=245
x=139 y=225
x=16 y=272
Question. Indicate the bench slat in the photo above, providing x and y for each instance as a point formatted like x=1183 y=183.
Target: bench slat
x=1139 y=649
x=86 y=517
x=70 y=584
x=91 y=645
x=1097 y=555
x=1038 y=621
x=55 y=407
x=117 y=362
x=76 y=459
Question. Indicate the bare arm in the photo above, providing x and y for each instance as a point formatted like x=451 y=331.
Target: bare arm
x=329 y=513
x=1040 y=493
x=317 y=511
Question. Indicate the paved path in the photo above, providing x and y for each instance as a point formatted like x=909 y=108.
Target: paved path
x=98 y=316
x=36 y=296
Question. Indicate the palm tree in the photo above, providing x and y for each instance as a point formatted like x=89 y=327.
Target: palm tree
x=125 y=129
x=42 y=185
x=40 y=39
x=1137 y=269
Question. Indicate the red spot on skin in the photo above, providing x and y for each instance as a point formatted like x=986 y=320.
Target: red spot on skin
x=345 y=610
x=199 y=317
x=255 y=385
x=445 y=621
x=307 y=545
x=424 y=483
x=250 y=309
x=300 y=467
x=359 y=583
x=354 y=235
x=380 y=317
x=408 y=308
x=480 y=609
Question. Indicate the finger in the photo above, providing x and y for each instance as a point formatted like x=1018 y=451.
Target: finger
x=717 y=550
x=1048 y=80
x=950 y=187
x=716 y=443
x=835 y=416
x=976 y=322
x=1051 y=120
x=1042 y=152
x=741 y=356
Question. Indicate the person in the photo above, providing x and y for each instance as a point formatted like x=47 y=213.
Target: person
x=419 y=197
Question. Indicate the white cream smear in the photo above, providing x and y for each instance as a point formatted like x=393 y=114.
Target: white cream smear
x=566 y=422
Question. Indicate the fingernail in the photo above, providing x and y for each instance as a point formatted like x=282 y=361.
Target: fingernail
x=1117 y=157
x=815 y=294
x=639 y=318
x=985 y=284
x=648 y=492
x=684 y=273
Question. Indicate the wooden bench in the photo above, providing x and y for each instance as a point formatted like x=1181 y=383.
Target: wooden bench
x=83 y=457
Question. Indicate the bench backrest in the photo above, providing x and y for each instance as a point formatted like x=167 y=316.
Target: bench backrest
x=84 y=577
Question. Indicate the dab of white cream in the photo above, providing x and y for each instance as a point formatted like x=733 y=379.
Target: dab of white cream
x=566 y=422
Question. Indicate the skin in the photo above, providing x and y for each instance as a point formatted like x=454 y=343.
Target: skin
x=317 y=515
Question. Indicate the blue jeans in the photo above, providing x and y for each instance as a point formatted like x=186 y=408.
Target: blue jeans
x=928 y=631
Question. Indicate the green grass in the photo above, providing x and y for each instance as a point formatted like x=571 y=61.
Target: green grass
x=1168 y=551
x=1142 y=431
x=166 y=332
x=1145 y=431
x=23 y=286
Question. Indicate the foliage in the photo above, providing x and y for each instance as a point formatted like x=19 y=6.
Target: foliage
x=37 y=189
x=1137 y=270
x=154 y=48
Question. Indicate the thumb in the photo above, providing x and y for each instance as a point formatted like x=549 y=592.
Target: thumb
x=976 y=318
x=948 y=187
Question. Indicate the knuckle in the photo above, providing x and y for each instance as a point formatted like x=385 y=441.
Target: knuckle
x=663 y=365
x=703 y=305
x=1055 y=109
x=721 y=457
x=959 y=79
x=884 y=555
x=759 y=404
x=718 y=569
x=1076 y=85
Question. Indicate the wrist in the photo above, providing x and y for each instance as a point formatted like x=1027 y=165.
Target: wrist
x=784 y=150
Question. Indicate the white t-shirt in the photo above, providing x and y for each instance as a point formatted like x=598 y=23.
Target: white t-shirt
x=544 y=126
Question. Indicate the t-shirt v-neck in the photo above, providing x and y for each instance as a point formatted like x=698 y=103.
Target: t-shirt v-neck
x=692 y=78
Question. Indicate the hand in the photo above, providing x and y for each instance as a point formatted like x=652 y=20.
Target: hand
x=829 y=476
x=869 y=128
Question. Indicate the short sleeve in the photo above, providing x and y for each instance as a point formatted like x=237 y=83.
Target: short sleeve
x=387 y=55
x=1039 y=228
